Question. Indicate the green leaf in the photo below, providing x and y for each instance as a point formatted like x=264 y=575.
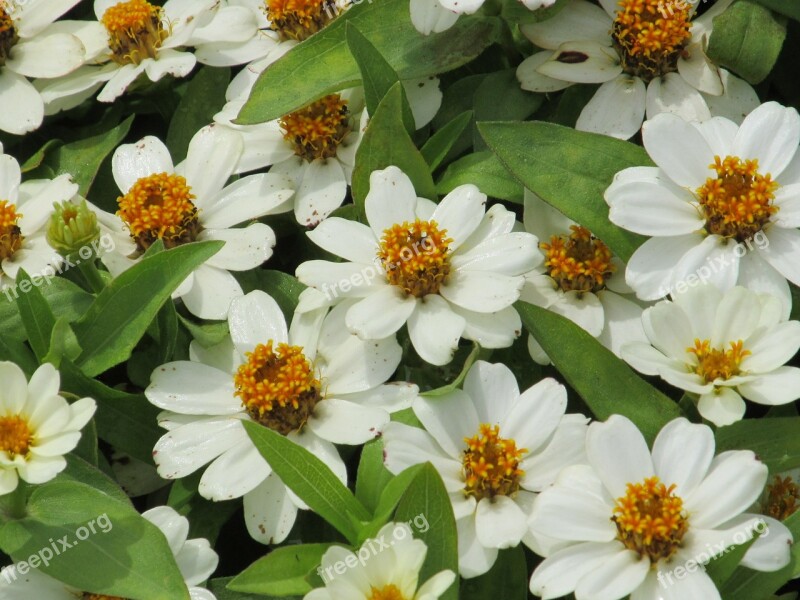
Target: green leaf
x=507 y=579
x=63 y=343
x=607 y=384
x=790 y=9
x=35 y=312
x=499 y=97
x=167 y=330
x=218 y=587
x=323 y=64
x=204 y=97
x=17 y=352
x=309 y=478
x=468 y=362
x=129 y=556
x=82 y=159
x=747 y=39
x=377 y=75
x=775 y=441
x=120 y=315
x=486 y=171
x=80 y=471
x=127 y=421
x=386 y=142
x=426 y=502
x=38 y=157
x=390 y=496
x=372 y=475
x=282 y=572
x=440 y=143
x=570 y=170
x=206 y=334
x=723 y=567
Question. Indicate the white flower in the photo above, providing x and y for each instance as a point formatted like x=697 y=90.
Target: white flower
x=37 y=426
x=495 y=450
x=580 y=279
x=723 y=205
x=190 y=202
x=143 y=38
x=632 y=522
x=25 y=210
x=32 y=46
x=320 y=158
x=449 y=271
x=381 y=572
x=196 y=561
x=649 y=55
x=722 y=347
x=435 y=16
x=333 y=394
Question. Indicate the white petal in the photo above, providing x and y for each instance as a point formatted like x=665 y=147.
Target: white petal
x=651 y=269
x=482 y=291
x=532 y=80
x=682 y=454
x=343 y=422
x=582 y=62
x=131 y=162
x=738 y=315
x=778 y=387
x=771 y=134
x=429 y=16
x=672 y=94
x=618 y=453
x=783 y=252
x=616 y=577
x=46 y=56
x=616 y=109
x=236 y=472
x=560 y=573
x=23 y=108
x=244 y=249
x=577 y=20
x=582 y=309
x=391 y=200
x=499 y=523
x=350 y=240
x=210 y=160
x=699 y=72
x=679 y=149
x=212 y=292
x=269 y=513
x=191 y=388
x=170 y=62
x=736 y=102
x=381 y=313
x=450 y=419
x=256 y=319
x=493 y=389
x=435 y=330
x=652 y=208
x=322 y=190
x=460 y=213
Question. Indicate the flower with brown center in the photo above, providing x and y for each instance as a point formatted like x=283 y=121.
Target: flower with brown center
x=578 y=262
x=491 y=464
x=16 y=437
x=300 y=19
x=10 y=234
x=781 y=498
x=713 y=363
x=317 y=130
x=8 y=34
x=416 y=257
x=136 y=31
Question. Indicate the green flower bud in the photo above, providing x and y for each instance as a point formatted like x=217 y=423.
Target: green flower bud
x=72 y=226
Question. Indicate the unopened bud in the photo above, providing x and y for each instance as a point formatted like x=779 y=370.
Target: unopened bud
x=72 y=226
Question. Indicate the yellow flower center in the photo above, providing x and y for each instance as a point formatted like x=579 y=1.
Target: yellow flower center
x=160 y=206
x=578 y=262
x=317 y=130
x=713 y=364
x=650 y=36
x=8 y=34
x=416 y=257
x=278 y=387
x=10 y=234
x=650 y=519
x=387 y=592
x=738 y=202
x=88 y=596
x=299 y=19
x=491 y=464
x=135 y=30
x=15 y=436
x=782 y=497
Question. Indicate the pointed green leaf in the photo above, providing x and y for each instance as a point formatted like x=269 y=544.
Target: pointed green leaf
x=283 y=572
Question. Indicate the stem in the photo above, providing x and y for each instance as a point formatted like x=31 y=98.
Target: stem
x=92 y=275
x=15 y=503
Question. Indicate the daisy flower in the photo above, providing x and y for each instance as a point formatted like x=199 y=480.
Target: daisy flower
x=649 y=56
x=32 y=46
x=190 y=202
x=449 y=271
x=37 y=426
x=722 y=205
x=383 y=571
x=196 y=561
x=495 y=450
x=314 y=383
x=435 y=16
x=144 y=38
x=721 y=346
x=24 y=216
x=315 y=145
x=641 y=523
x=580 y=279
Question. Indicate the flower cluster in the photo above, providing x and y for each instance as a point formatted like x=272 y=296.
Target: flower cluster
x=398 y=300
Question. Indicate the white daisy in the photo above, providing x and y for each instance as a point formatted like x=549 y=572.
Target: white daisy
x=722 y=205
x=315 y=145
x=190 y=202
x=314 y=383
x=642 y=523
x=37 y=426
x=649 y=56
x=24 y=216
x=721 y=347
x=495 y=450
x=449 y=271
x=144 y=38
x=196 y=561
x=32 y=46
x=435 y=16
x=580 y=279
x=387 y=568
